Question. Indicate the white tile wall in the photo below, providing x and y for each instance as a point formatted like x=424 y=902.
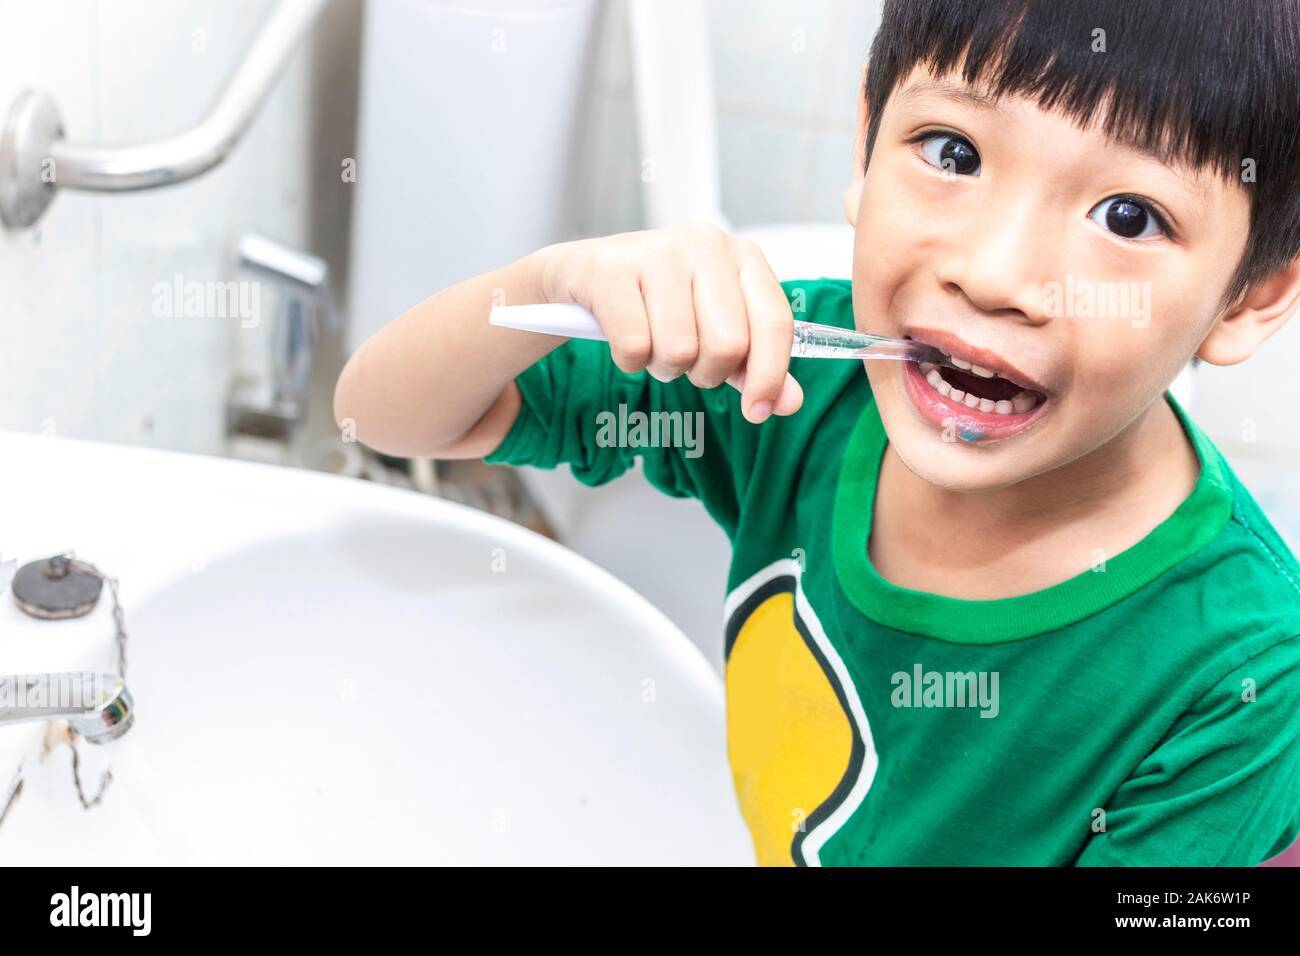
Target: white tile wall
x=786 y=79
x=82 y=352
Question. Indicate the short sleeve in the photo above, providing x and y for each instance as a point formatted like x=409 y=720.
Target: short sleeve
x=579 y=409
x=1223 y=788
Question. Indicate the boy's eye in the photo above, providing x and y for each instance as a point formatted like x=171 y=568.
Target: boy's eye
x=1128 y=217
x=951 y=153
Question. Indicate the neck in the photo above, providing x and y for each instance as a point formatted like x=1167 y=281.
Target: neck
x=1005 y=541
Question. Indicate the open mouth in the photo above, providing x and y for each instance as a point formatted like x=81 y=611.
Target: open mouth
x=980 y=388
x=980 y=403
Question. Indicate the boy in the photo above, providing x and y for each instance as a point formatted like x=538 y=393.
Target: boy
x=1014 y=612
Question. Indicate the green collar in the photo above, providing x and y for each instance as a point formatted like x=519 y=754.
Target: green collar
x=1198 y=519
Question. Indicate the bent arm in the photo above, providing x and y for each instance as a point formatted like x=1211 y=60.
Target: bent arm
x=438 y=381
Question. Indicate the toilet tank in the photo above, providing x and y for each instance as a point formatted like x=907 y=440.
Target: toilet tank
x=466 y=131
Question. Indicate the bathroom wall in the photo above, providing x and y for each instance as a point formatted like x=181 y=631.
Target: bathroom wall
x=83 y=351
x=786 y=76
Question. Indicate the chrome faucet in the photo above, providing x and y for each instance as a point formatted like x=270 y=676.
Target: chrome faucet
x=97 y=706
x=275 y=409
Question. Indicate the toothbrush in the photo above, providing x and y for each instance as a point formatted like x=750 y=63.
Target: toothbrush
x=811 y=340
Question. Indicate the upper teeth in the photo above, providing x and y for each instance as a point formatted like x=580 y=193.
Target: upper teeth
x=1022 y=401
x=979 y=370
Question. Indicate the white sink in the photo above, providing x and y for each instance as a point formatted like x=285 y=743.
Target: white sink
x=330 y=671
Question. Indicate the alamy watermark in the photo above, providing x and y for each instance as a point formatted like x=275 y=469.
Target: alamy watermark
x=638 y=429
x=194 y=299
x=1098 y=299
x=128 y=910
x=922 y=688
x=42 y=691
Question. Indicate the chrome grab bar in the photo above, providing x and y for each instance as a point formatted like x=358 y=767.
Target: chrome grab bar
x=36 y=159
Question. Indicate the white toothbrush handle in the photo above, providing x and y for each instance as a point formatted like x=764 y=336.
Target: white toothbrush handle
x=810 y=339
x=550 y=318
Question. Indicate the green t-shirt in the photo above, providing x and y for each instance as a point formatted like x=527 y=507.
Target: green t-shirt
x=1151 y=713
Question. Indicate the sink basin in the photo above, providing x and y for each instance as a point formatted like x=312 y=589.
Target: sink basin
x=328 y=671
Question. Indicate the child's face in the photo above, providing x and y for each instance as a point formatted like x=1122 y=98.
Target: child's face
x=1010 y=237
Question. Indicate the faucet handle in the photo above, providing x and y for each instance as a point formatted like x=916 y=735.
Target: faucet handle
x=97 y=706
x=276 y=409
x=300 y=272
x=111 y=715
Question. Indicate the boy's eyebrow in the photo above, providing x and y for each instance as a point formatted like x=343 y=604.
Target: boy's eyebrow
x=963 y=95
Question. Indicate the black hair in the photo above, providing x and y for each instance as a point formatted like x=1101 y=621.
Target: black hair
x=1210 y=83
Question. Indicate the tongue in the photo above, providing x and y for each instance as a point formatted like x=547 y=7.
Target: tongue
x=995 y=389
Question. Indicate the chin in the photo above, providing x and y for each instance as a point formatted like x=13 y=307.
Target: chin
x=955 y=467
x=958 y=465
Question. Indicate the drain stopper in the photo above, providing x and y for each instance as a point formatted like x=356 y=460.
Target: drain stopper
x=57 y=587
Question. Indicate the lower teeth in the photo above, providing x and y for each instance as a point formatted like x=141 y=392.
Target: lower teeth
x=1022 y=401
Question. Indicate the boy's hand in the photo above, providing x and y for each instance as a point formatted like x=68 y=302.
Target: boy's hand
x=687 y=300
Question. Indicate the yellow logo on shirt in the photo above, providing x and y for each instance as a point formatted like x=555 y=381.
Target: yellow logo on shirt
x=798 y=741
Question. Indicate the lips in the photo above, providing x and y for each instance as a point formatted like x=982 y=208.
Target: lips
x=984 y=398
x=969 y=356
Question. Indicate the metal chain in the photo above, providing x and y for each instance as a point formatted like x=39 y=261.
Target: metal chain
x=104 y=780
x=15 y=790
x=119 y=625
x=119 y=616
x=119 y=636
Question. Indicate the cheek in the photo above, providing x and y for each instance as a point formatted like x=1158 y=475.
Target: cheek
x=1106 y=380
x=892 y=214
x=1117 y=372
x=1143 y=352
x=889 y=248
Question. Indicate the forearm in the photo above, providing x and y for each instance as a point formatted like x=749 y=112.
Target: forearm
x=439 y=380
x=419 y=385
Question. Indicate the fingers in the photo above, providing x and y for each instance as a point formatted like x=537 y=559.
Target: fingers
x=617 y=303
x=695 y=301
x=771 y=333
x=674 y=333
x=788 y=402
x=791 y=398
x=722 y=317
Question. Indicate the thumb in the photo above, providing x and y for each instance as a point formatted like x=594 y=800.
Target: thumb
x=787 y=403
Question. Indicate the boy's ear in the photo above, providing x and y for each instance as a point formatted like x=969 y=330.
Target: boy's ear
x=1263 y=310
x=853 y=195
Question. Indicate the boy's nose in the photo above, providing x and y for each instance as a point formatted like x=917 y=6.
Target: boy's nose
x=1001 y=263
